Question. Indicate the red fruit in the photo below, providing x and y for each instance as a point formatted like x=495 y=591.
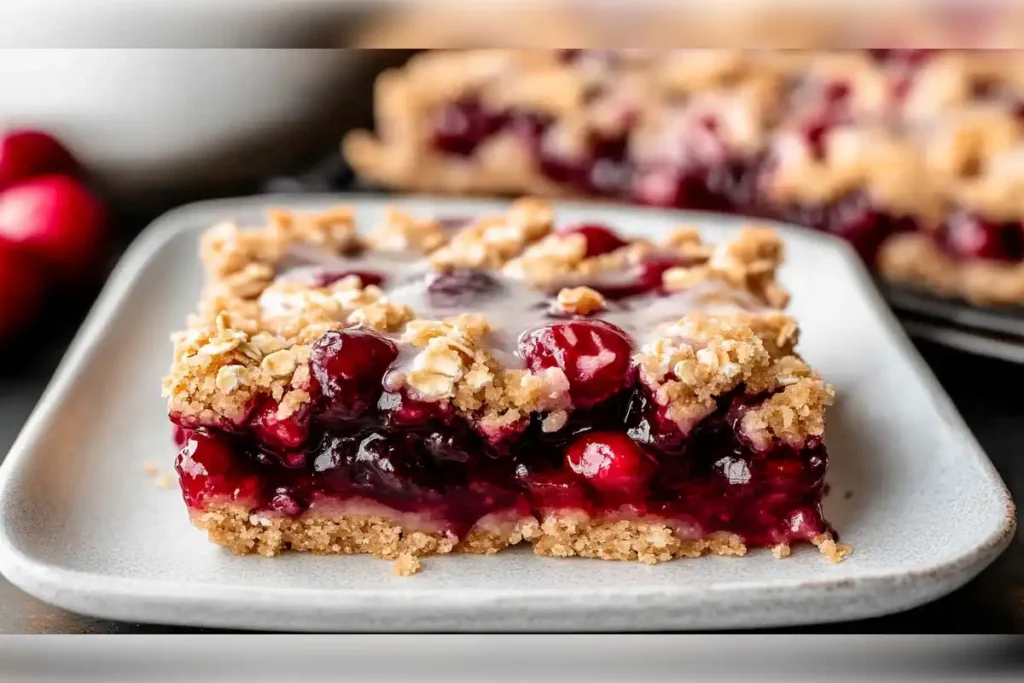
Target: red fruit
x=280 y=433
x=204 y=466
x=26 y=154
x=610 y=461
x=57 y=219
x=593 y=354
x=646 y=278
x=349 y=366
x=180 y=435
x=969 y=236
x=21 y=289
x=459 y=128
x=366 y=278
x=600 y=240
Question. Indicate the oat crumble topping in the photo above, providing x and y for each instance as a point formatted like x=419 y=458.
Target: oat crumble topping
x=253 y=343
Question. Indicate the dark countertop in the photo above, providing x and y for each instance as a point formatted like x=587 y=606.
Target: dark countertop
x=987 y=393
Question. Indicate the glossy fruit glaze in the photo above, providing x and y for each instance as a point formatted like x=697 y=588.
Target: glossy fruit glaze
x=618 y=455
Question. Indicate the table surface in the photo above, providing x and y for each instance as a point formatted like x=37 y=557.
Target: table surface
x=985 y=391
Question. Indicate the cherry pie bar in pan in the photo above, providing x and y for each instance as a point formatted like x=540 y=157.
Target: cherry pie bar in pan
x=439 y=386
x=914 y=156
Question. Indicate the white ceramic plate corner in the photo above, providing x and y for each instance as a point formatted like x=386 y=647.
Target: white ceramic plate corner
x=82 y=527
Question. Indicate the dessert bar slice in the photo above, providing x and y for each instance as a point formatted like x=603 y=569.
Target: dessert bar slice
x=912 y=155
x=440 y=385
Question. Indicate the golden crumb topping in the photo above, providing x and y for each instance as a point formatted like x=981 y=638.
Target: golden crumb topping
x=260 y=314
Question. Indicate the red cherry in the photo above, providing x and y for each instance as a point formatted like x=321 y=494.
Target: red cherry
x=366 y=278
x=26 y=154
x=593 y=354
x=610 y=461
x=968 y=236
x=280 y=433
x=57 y=219
x=461 y=127
x=600 y=240
x=349 y=366
x=203 y=466
x=21 y=289
x=647 y=277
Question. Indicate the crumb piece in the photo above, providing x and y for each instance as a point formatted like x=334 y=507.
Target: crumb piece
x=780 y=551
x=580 y=301
x=164 y=481
x=401 y=232
x=835 y=552
x=747 y=263
x=793 y=415
x=150 y=468
x=490 y=242
x=407 y=564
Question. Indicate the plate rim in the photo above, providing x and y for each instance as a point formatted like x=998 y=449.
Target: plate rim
x=62 y=586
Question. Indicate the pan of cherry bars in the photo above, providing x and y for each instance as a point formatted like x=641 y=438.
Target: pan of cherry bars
x=408 y=378
x=914 y=156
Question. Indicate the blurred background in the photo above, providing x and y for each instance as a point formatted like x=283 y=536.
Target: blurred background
x=113 y=112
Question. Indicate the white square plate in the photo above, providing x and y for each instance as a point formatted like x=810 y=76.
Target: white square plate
x=82 y=527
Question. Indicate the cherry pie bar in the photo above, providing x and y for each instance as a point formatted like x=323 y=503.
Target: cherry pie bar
x=914 y=156
x=466 y=385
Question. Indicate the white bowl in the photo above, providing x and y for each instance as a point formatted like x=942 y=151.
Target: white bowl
x=154 y=119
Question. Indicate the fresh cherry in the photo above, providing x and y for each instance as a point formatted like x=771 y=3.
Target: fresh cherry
x=593 y=354
x=610 y=461
x=26 y=154
x=600 y=240
x=21 y=289
x=56 y=219
x=349 y=366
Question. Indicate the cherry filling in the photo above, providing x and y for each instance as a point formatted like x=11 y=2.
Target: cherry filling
x=709 y=480
x=361 y=439
x=599 y=239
